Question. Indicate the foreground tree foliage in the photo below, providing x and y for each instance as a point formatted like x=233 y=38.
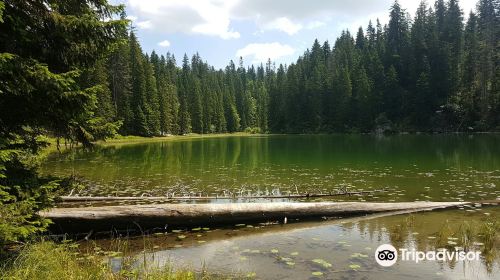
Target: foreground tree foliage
x=51 y=81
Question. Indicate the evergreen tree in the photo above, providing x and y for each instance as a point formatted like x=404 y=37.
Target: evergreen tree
x=152 y=104
x=44 y=48
x=428 y=74
x=184 y=84
x=119 y=77
x=138 y=82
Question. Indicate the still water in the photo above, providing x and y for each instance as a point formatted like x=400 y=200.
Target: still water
x=333 y=249
x=408 y=167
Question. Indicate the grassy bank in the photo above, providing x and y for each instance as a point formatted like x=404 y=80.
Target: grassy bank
x=139 y=139
x=124 y=140
x=46 y=261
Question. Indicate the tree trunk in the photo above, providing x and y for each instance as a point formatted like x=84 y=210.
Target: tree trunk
x=106 y=218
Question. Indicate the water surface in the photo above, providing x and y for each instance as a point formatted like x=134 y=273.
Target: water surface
x=410 y=167
x=338 y=249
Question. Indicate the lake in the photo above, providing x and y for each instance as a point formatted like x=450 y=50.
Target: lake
x=408 y=167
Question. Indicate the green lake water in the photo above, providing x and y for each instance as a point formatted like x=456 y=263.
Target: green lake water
x=408 y=167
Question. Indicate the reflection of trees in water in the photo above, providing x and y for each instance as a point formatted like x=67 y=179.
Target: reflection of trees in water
x=414 y=230
x=281 y=161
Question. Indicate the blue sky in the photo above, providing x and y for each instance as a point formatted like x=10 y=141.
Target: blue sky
x=221 y=30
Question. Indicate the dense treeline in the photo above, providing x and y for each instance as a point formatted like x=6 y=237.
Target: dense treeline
x=432 y=72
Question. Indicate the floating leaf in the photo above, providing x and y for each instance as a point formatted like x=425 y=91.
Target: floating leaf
x=317 y=273
x=181 y=236
x=354 y=266
x=196 y=229
x=359 y=255
x=290 y=263
x=294 y=253
x=322 y=262
x=274 y=251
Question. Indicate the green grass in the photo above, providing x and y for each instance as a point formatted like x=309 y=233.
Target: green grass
x=46 y=260
x=124 y=140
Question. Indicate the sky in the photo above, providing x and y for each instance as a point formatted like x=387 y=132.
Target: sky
x=224 y=30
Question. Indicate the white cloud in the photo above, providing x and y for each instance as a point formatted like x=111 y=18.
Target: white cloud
x=215 y=17
x=285 y=25
x=144 y=24
x=204 y=17
x=261 y=52
x=315 y=24
x=164 y=43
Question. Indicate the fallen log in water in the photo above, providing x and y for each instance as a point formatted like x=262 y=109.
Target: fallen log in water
x=105 y=218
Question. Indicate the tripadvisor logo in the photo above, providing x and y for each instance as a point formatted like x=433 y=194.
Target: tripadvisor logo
x=386 y=255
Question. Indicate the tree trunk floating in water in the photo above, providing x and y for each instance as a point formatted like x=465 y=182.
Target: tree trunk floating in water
x=107 y=218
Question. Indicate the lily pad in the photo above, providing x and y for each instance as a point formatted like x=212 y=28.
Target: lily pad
x=359 y=255
x=322 y=262
x=354 y=266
